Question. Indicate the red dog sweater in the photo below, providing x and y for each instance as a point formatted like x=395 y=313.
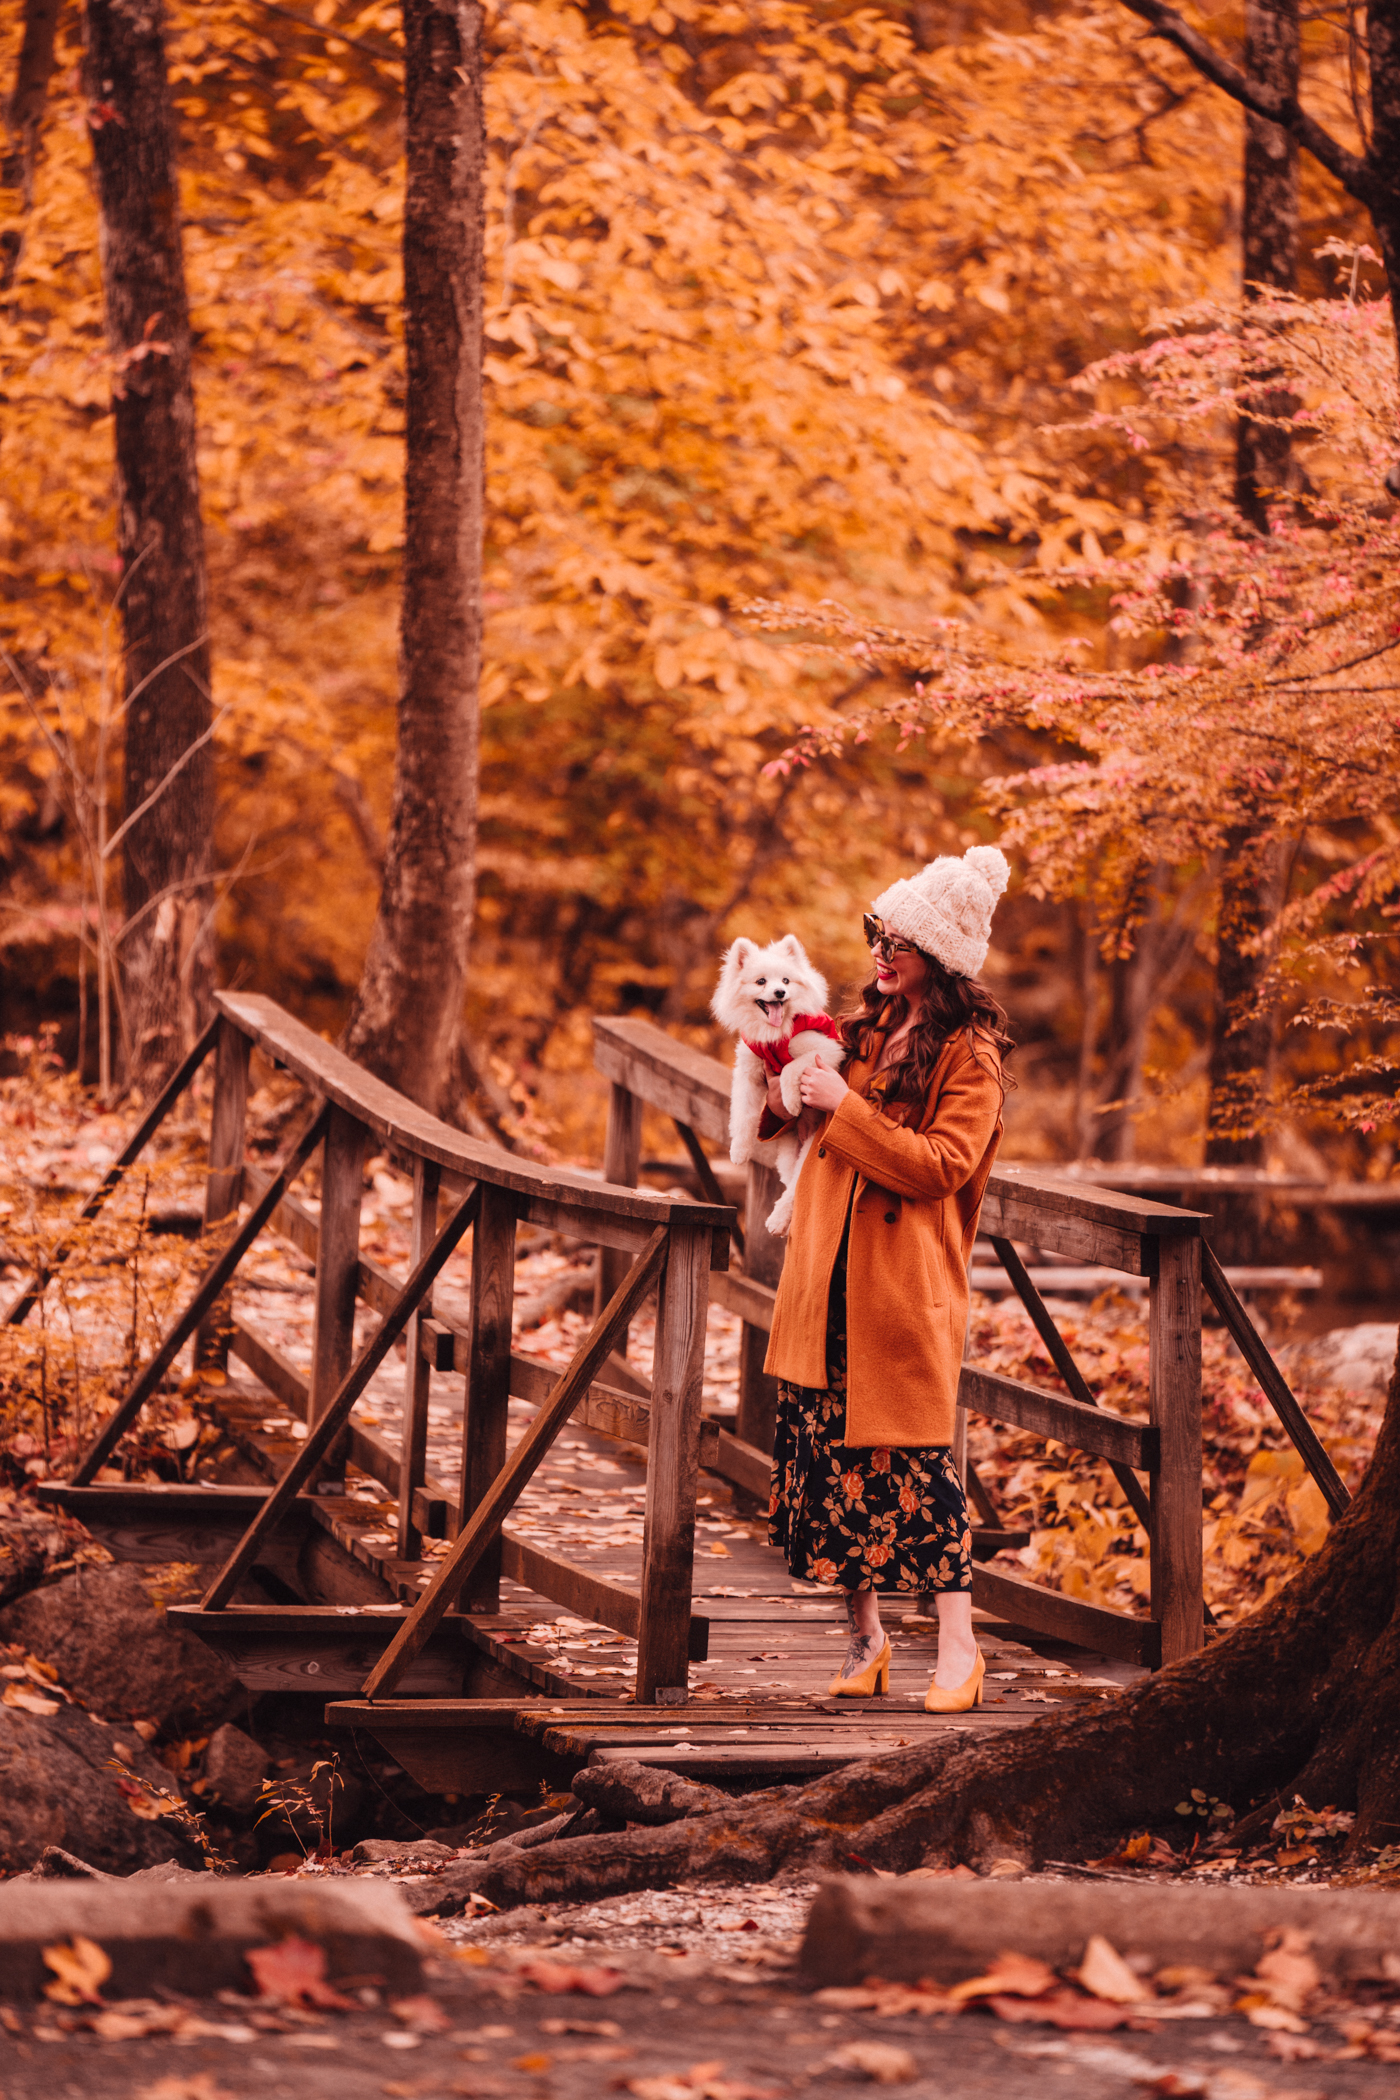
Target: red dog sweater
x=774 y=1057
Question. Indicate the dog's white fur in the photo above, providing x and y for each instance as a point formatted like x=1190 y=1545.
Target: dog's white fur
x=760 y=992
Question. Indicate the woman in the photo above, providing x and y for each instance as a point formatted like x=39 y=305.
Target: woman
x=871 y=1311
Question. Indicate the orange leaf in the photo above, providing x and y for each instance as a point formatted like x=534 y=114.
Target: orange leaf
x=294 y=1973
x=565 y=1976
x=80 y=1966
x=1019 y=1975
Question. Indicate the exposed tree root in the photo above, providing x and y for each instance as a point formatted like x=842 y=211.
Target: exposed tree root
x=1301 y=1699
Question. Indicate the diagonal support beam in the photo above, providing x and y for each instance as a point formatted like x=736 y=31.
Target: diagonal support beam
x=500 y=1498
x=328 y=1426
x=150 y=1123
x=116 y=1425
x=1275 y=1386
x=324 y=1432
x=705 y=1175
x=1067 y=1367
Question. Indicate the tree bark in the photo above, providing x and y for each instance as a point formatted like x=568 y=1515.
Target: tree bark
x=1241 y=1039
x=169 y=771
x=1372 y=176
x=1269 y=237
x=408 y=1010
x=1300 y=1699
x=27 y=98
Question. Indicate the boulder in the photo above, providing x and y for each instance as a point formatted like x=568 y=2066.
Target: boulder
x=58 y=1795
x=31 y=1540
x=235 y=1767
x=1356 y=1359
x=118 y=1652
x=162 y=1938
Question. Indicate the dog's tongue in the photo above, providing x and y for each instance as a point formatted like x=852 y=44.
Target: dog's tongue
x=772 y=1007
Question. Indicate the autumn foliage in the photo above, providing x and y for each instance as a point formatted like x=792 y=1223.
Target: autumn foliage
x=780 y=299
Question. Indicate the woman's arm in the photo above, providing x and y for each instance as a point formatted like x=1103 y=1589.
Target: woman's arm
x=933 y=1162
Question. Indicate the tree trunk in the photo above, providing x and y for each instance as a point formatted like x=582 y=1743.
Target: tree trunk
x=26 y=104
x=169 y=771
x=1241 y=1040
x=1269 y=237
x=1383 y=158
x=408 y=1009
x=1300 y=1699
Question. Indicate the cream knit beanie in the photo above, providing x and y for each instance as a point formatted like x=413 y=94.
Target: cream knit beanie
x=947 y=910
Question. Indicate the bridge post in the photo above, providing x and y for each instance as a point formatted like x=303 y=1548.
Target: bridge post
x=223 y=1188
x=622 y=1163
x=486 y=1403
x=337 y=1272
x=673 y=1464
x=1174 y=1377
x=417 y=1371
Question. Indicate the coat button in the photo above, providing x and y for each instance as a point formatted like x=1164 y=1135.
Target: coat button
x=821 y=1152
x=890 y=1217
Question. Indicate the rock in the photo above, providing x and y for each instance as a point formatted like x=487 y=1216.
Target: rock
x=1356 y=1359
x=906 y=1929
x=235 y=1767
x=57 y=1796
x=370 y=1851
x=31 y=1540
x=190 y=1940
x=118 y=1653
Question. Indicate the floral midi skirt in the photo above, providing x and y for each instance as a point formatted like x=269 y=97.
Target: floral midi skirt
x=856 y=1516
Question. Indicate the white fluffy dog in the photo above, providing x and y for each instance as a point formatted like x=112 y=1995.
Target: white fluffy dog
x=775 y=1002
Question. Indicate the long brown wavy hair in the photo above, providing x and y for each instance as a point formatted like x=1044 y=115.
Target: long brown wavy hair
x=951 y=1006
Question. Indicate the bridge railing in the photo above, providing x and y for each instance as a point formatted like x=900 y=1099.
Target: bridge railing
x=1158 y=1462
x=663 y=1245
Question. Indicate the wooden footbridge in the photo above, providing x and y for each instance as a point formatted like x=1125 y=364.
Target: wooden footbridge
x=428 y=1608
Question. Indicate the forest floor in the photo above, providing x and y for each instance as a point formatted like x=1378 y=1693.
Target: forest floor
x=694 y=1995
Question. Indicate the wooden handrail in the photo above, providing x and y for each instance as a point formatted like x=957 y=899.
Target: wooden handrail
x=1132 y=1234
x=557 y=1196
x=1049 y=1210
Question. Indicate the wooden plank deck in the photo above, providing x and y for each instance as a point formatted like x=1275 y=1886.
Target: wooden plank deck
x=758 y=1707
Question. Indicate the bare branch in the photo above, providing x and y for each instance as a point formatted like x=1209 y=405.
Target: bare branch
x=159 y=789
x=1355 y=174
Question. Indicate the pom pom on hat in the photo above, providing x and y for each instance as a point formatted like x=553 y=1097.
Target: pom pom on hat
x=946 y=910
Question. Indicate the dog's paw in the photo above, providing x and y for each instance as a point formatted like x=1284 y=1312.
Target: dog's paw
x=779 y=1218
x=790 y=1085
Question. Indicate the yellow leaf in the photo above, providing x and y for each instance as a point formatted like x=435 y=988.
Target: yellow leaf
x=80 y=1967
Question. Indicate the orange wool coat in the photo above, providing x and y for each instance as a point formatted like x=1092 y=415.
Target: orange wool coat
x=918 y=1188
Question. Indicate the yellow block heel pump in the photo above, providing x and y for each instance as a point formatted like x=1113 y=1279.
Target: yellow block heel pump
x=874 y=1678
x=968 y=1693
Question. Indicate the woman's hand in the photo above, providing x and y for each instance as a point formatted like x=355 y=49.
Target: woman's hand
x=822 y=1088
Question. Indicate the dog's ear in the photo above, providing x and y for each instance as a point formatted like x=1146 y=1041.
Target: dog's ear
x=791 y=945
x=738 y=954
